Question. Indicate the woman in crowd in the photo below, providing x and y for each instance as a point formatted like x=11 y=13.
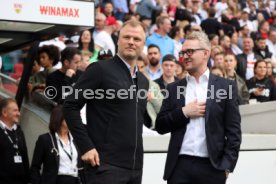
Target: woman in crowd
x=180 y=71
x=56 y=153
x=260 y=86
x=86 y=45
x=177 y=34
x=230 y=66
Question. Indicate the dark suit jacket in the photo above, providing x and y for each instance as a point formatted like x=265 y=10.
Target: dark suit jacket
x=242 y=64
x=46 y=156
x=114 y=124
x=222 y=124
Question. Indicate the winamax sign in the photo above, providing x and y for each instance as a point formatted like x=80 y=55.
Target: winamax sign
x=64 y=12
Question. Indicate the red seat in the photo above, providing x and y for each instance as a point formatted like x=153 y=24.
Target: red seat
x=18 y=70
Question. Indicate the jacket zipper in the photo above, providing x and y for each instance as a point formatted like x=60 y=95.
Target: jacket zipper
x=136 y=102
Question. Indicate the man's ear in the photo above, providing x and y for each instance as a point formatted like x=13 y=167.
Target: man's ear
x=66 y=63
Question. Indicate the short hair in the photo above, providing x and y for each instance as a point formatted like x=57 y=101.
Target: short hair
x=212 y=12
x=101 y=16
x=56 y=119
x=4 y=103
x=52 y=52
x=154 y=46
x=133 y=23
x=174 y=31
x=68 y=53
x=160 y=20
x=201 y=37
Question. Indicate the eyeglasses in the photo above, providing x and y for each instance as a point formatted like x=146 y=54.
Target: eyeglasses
x=189 y=52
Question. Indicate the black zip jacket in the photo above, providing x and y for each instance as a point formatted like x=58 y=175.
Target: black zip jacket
x=114 y=125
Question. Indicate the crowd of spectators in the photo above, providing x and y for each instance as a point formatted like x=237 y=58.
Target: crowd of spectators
x=244 y=31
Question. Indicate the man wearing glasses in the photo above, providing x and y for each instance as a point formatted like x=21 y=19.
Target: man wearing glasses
x=204 y=124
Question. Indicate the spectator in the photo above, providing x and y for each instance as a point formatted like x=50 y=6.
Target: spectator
x=180 y=71
x=155 y=96
x=56 y=153
x=234 y=41
x=218 y=71
x=14 y=162
x=261 y=48
x=260 y=87
x=120 y=8
x=271 y=42
x=211 y=24
x=177 y=35
x=247 y=59
x=86 y=45
x=225 y=43
x=67 y=75
x=153 y=70
x=108 y=9
x=146 y=7
x=230 y=65
x=161 y=38
x=105 y=54
x=271 y=70
x=99 y=24
x=48 y=56
x=219 y=60
x=214 y=51
x=168 y=67
x=214 y=39
x=103 y=40
x=244 y=20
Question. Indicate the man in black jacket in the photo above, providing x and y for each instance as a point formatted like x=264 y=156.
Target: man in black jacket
x=61 y=80
x=111 y=143
x=14 y=162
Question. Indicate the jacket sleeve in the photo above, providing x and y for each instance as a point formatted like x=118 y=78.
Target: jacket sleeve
x=38 y=158
x=170 y=117
x=89 y=80
x=232 y=129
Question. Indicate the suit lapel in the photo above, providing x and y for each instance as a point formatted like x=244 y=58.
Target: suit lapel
x=181 y=100
x=210 y=97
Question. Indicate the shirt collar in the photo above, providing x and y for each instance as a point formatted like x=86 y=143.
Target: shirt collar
x=160 y=36
x=129 y=67
x=204 y=76
x=4 y=126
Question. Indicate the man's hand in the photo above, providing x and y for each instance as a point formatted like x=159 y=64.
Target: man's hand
x=91 y=157
x=194 y=109
x=70 y=73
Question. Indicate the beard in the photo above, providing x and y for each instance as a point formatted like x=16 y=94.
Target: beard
x=154 y=62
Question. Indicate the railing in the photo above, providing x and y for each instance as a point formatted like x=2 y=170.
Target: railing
x=8 y=85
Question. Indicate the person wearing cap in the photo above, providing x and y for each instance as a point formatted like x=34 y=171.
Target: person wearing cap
x=105 y=54
x=169 y=68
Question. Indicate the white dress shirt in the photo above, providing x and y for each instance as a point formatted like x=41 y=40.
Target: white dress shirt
x=4 y=126
x=67 y=166
x=194 y=142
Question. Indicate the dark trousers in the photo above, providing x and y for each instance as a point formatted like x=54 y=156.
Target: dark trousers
x=109 y=174
x=196 y=170
x=62 y=179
